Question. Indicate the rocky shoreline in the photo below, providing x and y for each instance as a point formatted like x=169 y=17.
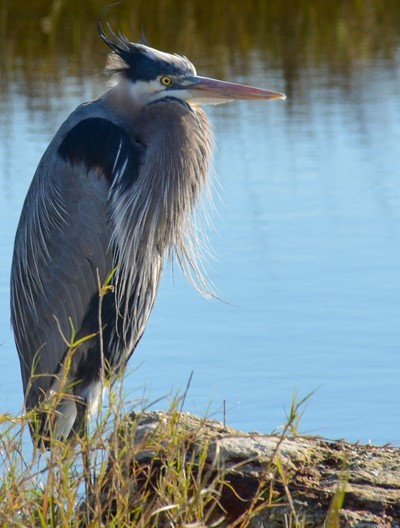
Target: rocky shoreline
x=264 y=480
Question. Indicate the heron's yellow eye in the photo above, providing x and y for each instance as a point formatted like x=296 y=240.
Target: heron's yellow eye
x=166 y=81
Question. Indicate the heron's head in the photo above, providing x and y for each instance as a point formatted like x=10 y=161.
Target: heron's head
x=156 y=75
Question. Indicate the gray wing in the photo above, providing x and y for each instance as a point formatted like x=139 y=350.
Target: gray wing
x=62 y=246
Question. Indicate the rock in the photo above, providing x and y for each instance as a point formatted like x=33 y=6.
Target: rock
x=250 y=479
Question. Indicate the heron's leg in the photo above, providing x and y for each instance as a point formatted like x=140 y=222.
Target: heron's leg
x=87 y=468
x=82 y=432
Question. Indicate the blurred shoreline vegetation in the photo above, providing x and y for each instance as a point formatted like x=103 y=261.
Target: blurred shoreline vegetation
x=43 y=40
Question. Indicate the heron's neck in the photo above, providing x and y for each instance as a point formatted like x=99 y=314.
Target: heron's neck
x=120 y=100
x=156 y=217
x=177 y=141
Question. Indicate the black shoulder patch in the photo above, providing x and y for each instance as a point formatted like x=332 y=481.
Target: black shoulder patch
x=97 y=142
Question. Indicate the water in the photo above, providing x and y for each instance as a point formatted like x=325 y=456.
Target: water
x=306 y=255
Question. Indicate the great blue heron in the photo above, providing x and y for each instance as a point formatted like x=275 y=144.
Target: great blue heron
x=112 y=195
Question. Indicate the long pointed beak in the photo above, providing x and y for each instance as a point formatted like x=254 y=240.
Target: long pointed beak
x=212 y=91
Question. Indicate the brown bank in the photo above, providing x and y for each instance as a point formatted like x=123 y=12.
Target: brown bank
x=194 y=472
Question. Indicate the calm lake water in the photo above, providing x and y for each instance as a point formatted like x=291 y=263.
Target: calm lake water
x=305 y=250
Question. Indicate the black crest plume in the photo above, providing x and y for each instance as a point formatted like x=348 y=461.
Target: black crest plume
x=118 y=43
x=137 y=61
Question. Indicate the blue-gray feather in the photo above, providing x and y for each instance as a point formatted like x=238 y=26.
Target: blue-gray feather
x=110 y=193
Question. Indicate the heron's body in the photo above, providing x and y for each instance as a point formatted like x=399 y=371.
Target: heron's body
x=75 y=217
x=113 y=194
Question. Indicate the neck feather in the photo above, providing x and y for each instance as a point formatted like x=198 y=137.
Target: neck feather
x=155 y=217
